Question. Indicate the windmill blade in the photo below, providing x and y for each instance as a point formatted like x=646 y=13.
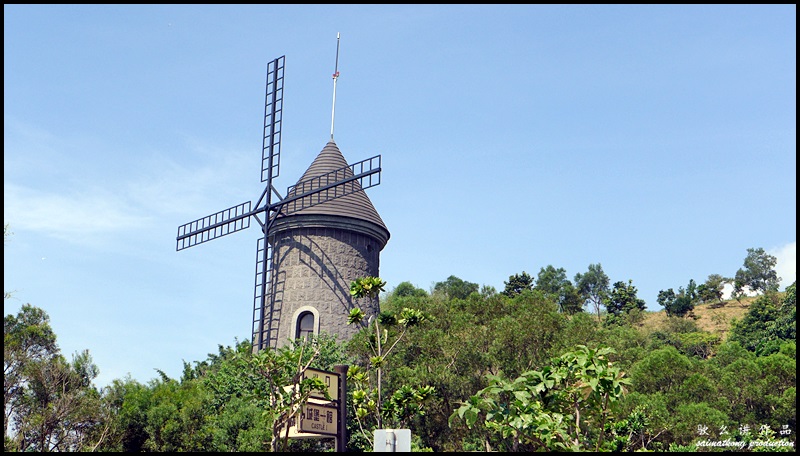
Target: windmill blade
x=216 y=225
x=273 y=118
x=335 y=184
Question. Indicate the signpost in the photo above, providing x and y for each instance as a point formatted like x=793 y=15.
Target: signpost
x=320 y=418
x=331 y=380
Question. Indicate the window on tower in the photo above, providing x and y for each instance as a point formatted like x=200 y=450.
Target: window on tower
x=305 y=325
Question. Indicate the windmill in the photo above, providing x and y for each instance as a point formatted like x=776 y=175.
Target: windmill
x=292 y=225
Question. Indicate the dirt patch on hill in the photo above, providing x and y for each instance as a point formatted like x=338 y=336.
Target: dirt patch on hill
x=714 y=318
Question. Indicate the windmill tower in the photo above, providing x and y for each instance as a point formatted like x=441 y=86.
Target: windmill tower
x=318 y=238
x=318 y=251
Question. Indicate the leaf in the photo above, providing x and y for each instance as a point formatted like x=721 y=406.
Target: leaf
x=471 y=416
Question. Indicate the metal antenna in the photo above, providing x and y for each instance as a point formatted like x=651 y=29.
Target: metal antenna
x=335 y=77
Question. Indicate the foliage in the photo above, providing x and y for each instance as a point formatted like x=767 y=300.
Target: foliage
x=593 y=286
x=622 y=301
x=517 y=283
x=550 y=280
x=680 y=304
x=367 y=287
x=455 y=288
x=769 y=321
x=516 y=366
x=554 y=283
x=557 y=408
x=367 y=400
x=758 y=273
x=233 y=401
x=50 y=403
x=663 y=370
x=700 y=344
x=406 y=289
x=27 y=338
x=711 y=290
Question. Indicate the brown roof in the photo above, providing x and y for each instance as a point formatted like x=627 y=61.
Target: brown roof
x=355 y=205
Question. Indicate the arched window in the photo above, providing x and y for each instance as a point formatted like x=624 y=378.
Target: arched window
x=305 y=325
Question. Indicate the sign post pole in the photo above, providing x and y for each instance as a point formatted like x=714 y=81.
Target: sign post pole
x=341 y=437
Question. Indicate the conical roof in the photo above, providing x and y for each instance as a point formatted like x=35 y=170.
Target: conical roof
x=354 y=205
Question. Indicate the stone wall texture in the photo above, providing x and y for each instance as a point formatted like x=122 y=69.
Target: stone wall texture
x=314 y=269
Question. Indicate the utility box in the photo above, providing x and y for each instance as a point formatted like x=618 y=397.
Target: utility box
x=392 y=440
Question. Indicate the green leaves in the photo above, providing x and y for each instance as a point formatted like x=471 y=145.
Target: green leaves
x=367 y=287
x=534 y=408
x=356 y=316
x=758 y=273
x=411 y=317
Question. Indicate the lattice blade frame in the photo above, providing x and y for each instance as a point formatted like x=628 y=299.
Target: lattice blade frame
x=273 y=120
x=335 y=184
x=213 y=226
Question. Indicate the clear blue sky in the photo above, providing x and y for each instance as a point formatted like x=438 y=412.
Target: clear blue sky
x=658 y=141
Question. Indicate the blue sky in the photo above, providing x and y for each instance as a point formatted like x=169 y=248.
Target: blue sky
x=658 y=141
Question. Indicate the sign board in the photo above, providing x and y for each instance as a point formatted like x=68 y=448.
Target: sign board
x=294 y=433
x=319 y=419
x=392 y=440
x=330 y=379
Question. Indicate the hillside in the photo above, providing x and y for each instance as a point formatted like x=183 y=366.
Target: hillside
x=714 y=318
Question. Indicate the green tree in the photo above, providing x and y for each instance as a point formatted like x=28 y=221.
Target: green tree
x=622 y=301
x=570 y=301
x=785 y=327
x=27 y=339
x=405 y=289
x=517 y=283
x=711 y=290
x=593 y=286
x=554 y=283
x=564 y=406
x=769 y=321
x=550 y=280
x=367 y=401
x=50 y=403
x=758 y=273
x=662 y=371
x=523 y=336
x=61 y=408
x=680 y=304
x=455 y=288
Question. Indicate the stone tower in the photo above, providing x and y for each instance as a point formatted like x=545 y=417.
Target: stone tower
x=316 y=252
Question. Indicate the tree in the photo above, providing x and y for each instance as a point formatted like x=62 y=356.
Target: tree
x=517 y=283
x=564 y=406
x=455 y=288
x=50 y=404
x=404 y=289
x=27 y=339
x=554 y=283
x=769 y=322
x=678 y=305
x=550 y=280
x=622 y=301
x=368 y=402
x=593 y=286
x=60 y=407
x=758 y=273
x=287 y=390
x=711 y=290
x=570 y=301
x=661 y=371
x=235 y=401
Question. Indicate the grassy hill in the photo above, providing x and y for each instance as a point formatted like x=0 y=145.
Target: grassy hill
x=714 y=318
